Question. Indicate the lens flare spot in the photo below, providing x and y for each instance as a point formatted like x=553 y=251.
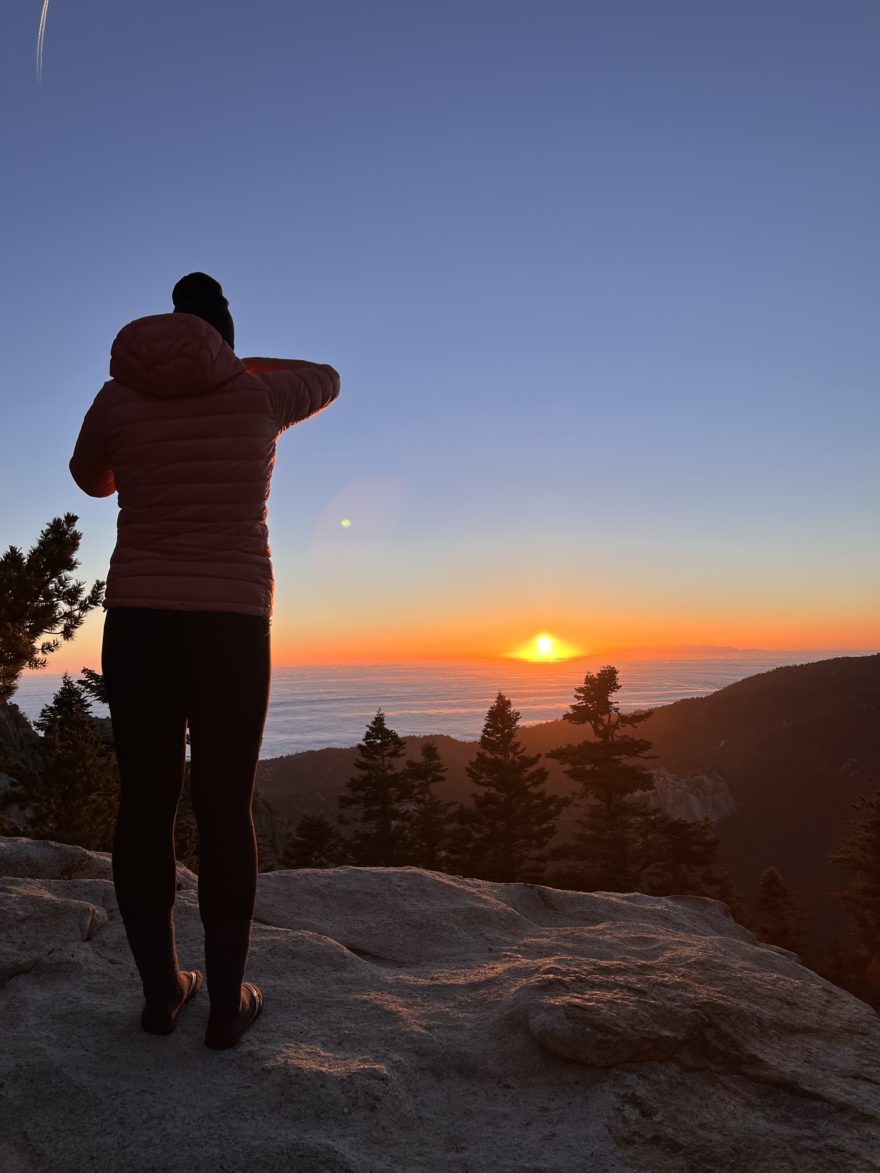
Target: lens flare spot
x=346 y=523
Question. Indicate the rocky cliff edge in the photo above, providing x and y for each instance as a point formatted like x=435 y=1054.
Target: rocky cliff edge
x=421 y=1022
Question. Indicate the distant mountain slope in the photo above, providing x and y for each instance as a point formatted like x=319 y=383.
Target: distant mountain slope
x=794 y=747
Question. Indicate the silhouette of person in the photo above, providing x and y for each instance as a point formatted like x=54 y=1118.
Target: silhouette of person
x=184 y=432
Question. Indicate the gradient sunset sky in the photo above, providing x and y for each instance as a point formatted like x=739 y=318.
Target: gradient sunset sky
x=601 y=279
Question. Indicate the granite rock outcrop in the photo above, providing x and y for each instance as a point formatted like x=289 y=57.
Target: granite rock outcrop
x=426 y=1023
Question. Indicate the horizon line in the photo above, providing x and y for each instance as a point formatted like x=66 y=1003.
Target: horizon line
x=673 y=652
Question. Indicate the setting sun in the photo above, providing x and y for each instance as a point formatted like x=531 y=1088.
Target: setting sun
x=546 y=647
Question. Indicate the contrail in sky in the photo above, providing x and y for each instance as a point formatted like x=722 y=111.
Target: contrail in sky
x=41 y=37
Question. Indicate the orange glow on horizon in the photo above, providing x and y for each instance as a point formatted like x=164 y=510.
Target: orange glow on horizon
x=468 y=642
x=380 y=635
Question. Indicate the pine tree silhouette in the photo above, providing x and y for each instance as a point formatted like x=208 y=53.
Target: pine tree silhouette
x=315 y=843
x=678 y=856
x=39 y=597
x=778 y=920
x=513 y=818
x=429 y=817
x=608 y=771
x=74 y=797
x=375 y=797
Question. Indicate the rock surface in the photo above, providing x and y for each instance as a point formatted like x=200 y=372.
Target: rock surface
x=417 y=1022
x=692 y=796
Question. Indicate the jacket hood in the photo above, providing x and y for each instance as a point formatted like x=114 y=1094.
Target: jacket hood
x=168 y=355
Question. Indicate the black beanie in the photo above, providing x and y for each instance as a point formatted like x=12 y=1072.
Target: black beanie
x=199 y=294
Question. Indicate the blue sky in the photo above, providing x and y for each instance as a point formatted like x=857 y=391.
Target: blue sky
x=601 y=280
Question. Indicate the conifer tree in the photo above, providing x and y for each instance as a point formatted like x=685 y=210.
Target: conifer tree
x=74 y=798
x=513 y=818
x=375 y=799
x=678 y=856
x=315 y=843
x=93 y=685
x=859 y=852
x=778 y=920
x=429 y=821
x=608 y=771
x=39 y=598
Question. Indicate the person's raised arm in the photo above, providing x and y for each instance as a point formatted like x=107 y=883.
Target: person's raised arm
x=299 y=389
x=89 y=465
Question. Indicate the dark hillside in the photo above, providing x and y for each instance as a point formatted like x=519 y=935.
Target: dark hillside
x=796 y=746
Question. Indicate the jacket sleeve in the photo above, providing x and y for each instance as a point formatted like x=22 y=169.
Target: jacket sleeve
x=89 y=465
x=298 y=389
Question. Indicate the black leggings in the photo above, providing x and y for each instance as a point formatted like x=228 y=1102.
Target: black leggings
x=165 y=670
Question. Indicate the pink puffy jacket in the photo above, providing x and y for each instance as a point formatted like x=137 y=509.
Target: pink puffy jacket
x=185 y=433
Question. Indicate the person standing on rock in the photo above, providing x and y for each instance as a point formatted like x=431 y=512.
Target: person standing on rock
x=185 y=433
